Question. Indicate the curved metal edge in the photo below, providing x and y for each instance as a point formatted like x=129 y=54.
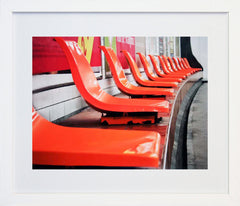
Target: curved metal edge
x=177 y=158
x=170 y=121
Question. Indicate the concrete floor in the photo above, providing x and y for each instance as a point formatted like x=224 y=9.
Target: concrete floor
x=197 y=138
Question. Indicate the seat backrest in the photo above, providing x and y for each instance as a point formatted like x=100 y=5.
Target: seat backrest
x=155 y=65
x=115 y=66
x=82 y=73
x=184 y=64
x=168 y=66
x=172 y=64
x=133 y=65
x=176 y=63
x=186 y=61
x=180 y=63
x=163 y=66
x=148 y=70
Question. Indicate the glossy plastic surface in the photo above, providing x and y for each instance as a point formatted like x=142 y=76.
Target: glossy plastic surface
x=67 y=146
x=168 y=72
x=182 y=65
x=93 y=94
x=168 y=65
x=149 y=72
x=174 y=68
x=176 y=64
x=122 y=82
x=138 y=77
x=172 y=64
x=157 y=69
x=187 y=63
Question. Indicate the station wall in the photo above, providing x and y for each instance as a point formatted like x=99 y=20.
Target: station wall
x=200 y=51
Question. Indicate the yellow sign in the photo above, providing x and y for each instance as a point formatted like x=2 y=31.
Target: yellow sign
x=86 y=45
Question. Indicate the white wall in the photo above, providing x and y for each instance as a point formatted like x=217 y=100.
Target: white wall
x=56 y=103
x=200 y=51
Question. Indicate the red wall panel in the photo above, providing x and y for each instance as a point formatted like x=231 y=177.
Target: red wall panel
x=49 y=57
x=96 y=53
x=125 y=43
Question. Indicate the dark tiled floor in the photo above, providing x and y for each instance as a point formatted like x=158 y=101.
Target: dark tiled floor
x=198 y=130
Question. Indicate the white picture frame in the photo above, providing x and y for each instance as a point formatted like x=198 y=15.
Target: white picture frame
x=8 y=196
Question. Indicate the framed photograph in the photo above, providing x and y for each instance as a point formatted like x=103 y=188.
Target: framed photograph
x=23 y=185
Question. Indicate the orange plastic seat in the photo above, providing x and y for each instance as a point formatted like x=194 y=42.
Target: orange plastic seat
x=168 y=66
x=183 y=63
x=67 y=146
x=191 y=71
x=184 y=66
x=157 y=69
x=187 y=65
x=139 y=78
x=172 y=65
x=94 y=95
x=180 y=63
x=151 y=75
x=122 y=82
x=176 y=64
x=186 y=61
x=169 y=72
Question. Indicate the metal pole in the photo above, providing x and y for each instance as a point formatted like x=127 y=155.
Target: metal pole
x=103 y=60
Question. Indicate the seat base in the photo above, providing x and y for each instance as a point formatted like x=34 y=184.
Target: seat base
x=129 y=118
